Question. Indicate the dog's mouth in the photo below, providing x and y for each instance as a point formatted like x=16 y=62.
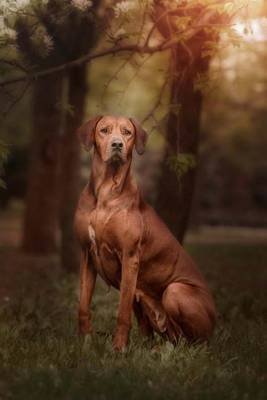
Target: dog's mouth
x=116 y=157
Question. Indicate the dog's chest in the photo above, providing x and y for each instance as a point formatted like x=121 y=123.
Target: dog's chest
x=106 y=257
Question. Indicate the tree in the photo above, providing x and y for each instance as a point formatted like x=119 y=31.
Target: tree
x=69 y=36
x=84 y=22
x=190 y=62
x=70 y=166
x=41 y=210
x=42 y=199
x=189 y=31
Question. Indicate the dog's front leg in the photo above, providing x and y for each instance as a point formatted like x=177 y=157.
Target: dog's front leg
x=130 y=267
x=87 y=285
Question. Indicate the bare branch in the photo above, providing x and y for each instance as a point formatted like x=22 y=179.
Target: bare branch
x=177 y=11
x=16 y=99
x=150 y=114
x=115 y=75
x=85 y=59
x=13 y=63
x=134 y=76
x=203 y=22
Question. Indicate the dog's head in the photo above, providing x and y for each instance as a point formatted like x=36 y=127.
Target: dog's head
x=113 y=137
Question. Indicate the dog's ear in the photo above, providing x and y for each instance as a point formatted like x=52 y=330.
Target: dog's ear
x=86 y=133
x=140 y=136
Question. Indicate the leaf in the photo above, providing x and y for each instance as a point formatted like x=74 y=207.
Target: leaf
x=181 y=164
x=2 y=184
x=3 y=152
x=203 y=83
x=229 y=7
x=173 y=108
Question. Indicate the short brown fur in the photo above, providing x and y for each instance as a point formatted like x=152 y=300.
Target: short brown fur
x=124 y=241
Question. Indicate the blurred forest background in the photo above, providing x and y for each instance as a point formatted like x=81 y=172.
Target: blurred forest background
x=194 y=73
x=202 y=100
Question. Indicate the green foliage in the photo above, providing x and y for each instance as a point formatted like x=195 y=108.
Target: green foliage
x=50 y=32
x=181 y=164
x=42 y=356
x=204 y=83
x=3 y=158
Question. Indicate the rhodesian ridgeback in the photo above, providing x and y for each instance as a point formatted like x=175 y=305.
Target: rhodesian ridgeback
x=124 y=241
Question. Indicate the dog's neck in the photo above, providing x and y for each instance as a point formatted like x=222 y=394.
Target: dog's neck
x=110 y=180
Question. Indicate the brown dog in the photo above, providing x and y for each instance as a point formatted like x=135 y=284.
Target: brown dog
x=125 y=242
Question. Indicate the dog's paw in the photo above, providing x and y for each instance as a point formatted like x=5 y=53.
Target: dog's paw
x=85 y=327
x=119 y=343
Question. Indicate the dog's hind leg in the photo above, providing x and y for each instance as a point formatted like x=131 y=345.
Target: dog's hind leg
x=152 y=311
x=190 y=312
x=142 y=320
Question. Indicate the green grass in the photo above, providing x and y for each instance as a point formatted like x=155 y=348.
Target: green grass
x=42 y=356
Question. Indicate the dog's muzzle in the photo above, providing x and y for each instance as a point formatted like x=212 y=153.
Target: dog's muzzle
x=117 y=150
x=116 y=145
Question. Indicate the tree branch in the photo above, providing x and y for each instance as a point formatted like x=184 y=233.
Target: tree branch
x=16 y=99
x=13 y=63
x=145 y=48
x=150 y=114
x=85 y=59
x=137 y=70
x=115 y=75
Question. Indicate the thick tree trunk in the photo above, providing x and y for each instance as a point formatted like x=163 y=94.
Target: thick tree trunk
x=71 y=167
x=41 y=213
x=175 y=196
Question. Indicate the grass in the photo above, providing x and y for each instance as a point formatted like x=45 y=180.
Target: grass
x=42 y=356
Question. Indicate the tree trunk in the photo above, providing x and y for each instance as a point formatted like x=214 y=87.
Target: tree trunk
x=174 y=197
x=71 y=167
x=41 y=213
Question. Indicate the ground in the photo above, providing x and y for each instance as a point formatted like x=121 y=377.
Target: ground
x=43 y=357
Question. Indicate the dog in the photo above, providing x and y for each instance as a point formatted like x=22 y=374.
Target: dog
x=124 y=241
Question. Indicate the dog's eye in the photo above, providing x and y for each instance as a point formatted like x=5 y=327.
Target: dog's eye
x=104 y=130
x=127 y=132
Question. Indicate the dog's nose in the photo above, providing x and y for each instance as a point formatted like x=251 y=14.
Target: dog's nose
x=116 y=144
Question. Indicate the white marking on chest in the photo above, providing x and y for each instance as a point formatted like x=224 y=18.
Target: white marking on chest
x=91 y=233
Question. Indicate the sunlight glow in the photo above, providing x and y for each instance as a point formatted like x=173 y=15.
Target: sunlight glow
x=253 y=31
